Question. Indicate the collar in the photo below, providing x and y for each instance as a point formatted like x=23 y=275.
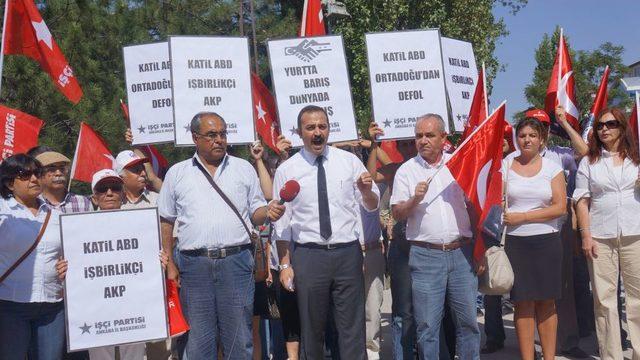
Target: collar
x=311 y=158
x=62 y=203
x=425 y=164
x=221 y=167
x=606 y=153
x=144 y=196
x=15 y=205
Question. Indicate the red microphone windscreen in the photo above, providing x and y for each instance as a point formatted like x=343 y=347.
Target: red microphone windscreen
x=289 y=191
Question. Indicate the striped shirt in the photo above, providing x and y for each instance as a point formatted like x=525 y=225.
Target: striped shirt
x=72 y=203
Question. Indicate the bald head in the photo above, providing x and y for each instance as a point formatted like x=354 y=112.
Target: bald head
x=437 y=119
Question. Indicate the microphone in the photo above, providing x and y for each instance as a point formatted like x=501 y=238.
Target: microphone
x=289 y=191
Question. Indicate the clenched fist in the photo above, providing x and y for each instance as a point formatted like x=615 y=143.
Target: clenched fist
x=421 y=190
x=365 y=182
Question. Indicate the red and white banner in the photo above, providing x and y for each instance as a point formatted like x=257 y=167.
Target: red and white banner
x=476 y=166
x=312 y=19
x=92 y=154
x=479 y=109
x=26 y=33
x=264 y=113
x=599 y=103
x=18 y=132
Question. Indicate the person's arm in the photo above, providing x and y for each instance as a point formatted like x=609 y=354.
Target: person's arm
x=286 y=270
x=383 y=157
x=558 y=206
x=284 y=146
x=372 y=161
x=168 y=242
x=577 y=142
x=266 y=184
x=589 y=247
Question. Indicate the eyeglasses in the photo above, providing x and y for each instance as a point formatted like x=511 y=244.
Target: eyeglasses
x=610 y=124
x=136 y=169
x=103 y=188
x=25 y=175
x=53 y=168
x=212 y=135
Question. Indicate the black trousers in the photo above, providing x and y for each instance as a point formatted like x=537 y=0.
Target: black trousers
x=324 y=278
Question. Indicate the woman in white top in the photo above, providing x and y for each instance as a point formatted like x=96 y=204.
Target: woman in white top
x=31 y=308
x=536 y=198
x=608 y=204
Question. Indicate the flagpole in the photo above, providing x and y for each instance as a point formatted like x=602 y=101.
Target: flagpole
x=75 y=158
x=486 y=95
x=467 y=139
x=303 y=24
x=4 y=27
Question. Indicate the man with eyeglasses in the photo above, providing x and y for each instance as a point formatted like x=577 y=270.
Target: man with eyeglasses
x=213 y=264
x=54 y=181
x=131 y=169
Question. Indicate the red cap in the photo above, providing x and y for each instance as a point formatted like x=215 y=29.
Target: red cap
x=541 y=115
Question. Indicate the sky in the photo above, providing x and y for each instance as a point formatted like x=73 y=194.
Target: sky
x=586 y=23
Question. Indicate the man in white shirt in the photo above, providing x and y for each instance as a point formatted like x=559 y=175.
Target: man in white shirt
x=214 y=262
x=325 y=266
x=439 y=231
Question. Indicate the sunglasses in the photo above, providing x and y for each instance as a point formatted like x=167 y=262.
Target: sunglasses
x=103 y=188
x=611 y=124
x=25 y=175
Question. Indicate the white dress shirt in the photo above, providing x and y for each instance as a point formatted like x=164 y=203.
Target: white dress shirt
x=531 y=193
x=615 y=203
x=202 y=217
x=441 y=217
x=300 y=221
x=35 y=279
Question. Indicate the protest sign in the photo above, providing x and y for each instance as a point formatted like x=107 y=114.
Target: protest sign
x=312 y=71
x=406 y=76
x=148 y=76
x=211 y=73
x=114 y=286
x=461 y=75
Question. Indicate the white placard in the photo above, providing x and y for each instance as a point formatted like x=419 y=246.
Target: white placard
x=148 y=77
x=461 y=76
x=312 y=71
x=212 y=73
x=114 y=287
x=405 y=72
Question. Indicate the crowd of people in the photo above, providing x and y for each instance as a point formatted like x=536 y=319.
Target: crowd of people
x=358 y=219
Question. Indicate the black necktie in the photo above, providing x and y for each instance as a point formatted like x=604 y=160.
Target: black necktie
x=323 y=201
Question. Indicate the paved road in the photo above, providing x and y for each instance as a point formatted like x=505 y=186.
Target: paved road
x=510 y=352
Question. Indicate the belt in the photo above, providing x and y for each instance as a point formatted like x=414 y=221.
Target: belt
x=456 y=244
x=371 y=246
x=217 y=253
x=328 y=246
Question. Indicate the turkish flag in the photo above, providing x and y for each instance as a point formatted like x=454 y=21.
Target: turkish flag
x=562 y=90
x=476 y=166
x=633 y=122
x=312 y=19
x=25 y=33
x=92 y=155
x=599 y=103
x=478 y=111
x=18 y=131
x=264 y=113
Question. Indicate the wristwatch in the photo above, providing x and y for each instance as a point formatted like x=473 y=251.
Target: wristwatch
x=285 y=266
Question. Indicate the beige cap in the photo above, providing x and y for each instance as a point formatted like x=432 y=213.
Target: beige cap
x=52 y=157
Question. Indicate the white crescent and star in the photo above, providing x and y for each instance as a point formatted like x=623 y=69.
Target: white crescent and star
x=43 y=33
x=261 y=112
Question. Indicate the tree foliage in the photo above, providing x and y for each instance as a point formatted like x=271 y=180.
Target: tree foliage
x=588 y=67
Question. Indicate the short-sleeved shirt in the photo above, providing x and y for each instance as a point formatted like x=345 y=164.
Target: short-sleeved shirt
x=202 y=217
x=36 y=278
x=531 y=193
x=301 y=222
x=442 y=216
x=147 y=199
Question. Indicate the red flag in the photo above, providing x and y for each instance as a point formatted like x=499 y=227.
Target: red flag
x=476 y=168
x=18 y=131
x=25 y=33
x=177 y=323
x=479 y=111
x=125 y=112
x=92 y=154
x=561 y=89
x=264 y=113
x=312 y=19
x=599 y=103
x=633 y=122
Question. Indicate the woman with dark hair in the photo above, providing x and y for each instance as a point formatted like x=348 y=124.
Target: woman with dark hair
x=608 y=204
x=536 y=199
x=31 y=308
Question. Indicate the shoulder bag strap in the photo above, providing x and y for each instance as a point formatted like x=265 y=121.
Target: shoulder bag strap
x=30 y=250
x=222 y=194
